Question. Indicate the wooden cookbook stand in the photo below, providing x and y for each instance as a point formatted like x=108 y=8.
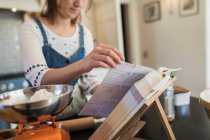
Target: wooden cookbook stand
x=134 y=125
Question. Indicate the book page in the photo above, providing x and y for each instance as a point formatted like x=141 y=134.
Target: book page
x=115 y=85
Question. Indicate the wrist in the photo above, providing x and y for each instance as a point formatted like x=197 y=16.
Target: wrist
x=82 y=67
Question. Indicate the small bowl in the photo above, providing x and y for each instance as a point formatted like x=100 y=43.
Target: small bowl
x=15 y=106
x=205 y=101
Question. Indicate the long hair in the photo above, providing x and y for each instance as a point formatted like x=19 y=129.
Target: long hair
x=50 y=11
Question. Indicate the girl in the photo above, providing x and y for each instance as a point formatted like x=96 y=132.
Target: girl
x=57 y=49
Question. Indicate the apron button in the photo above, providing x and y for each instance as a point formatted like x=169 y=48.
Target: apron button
x=67 y=62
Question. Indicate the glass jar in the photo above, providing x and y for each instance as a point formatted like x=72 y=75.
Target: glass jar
x=169 y=103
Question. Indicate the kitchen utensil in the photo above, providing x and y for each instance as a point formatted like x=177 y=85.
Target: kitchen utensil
x=32 y=117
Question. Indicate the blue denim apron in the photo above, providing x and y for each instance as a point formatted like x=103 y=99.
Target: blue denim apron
x=56 y=60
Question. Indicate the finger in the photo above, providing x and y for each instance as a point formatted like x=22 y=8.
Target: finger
x=113 y=49
x=100 y=64
x=118 y=53
x=105 y=59
x=109 y=52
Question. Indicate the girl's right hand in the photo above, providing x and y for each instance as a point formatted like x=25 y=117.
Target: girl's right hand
x=104 y=56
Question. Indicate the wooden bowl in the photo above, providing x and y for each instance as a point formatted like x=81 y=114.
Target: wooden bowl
x=7 y=134
x=205 y=101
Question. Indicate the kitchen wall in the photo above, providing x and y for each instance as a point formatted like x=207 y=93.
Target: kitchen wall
x=176 y=41
x=134 y=30
x=173 y=41
x=207 y=26
x=23 y=5
x=88 y=19
x=108 y=24
x=10 y=61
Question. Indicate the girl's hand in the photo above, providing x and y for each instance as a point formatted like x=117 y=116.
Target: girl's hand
x=104 y=56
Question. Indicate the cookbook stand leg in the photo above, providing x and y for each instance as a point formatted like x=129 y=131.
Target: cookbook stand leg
x=135 y=125
x=164 y=120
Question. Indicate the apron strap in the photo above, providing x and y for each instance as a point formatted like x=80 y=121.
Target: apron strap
x=42 y=31
x=81 y=36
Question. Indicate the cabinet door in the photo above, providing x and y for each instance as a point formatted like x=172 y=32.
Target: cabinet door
x=108 y=23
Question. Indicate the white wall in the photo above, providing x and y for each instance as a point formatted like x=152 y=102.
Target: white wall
x=88 y=19
x=108 y=23
x=176 y=41
x=134 y=28
x=207 y=43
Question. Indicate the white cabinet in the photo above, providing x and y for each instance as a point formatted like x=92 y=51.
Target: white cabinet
x=108 y=24
x=23 y=5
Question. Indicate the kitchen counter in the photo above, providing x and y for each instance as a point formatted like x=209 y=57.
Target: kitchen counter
x=191 y=123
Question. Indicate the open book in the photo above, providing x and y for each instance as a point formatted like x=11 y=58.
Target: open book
x=122 y=93
x=115 y=85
